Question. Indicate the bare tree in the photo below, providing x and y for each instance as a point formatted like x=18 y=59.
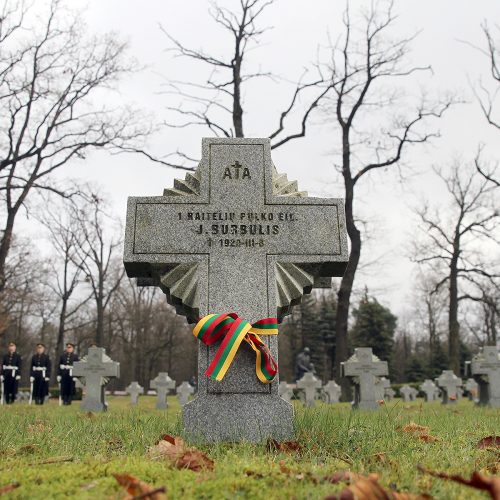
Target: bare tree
x=98 y=247
x=453 y=242
x=218 y=103
x=51 y=73
x=364 y=61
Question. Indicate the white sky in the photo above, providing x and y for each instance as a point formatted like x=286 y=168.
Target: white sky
x=299 y=27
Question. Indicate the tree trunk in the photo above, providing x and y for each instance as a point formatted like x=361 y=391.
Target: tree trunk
x=5 y=247
x=237 y=108
x=453 y=326
x=99 y=334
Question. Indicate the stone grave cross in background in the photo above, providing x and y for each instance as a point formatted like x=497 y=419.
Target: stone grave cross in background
x=162 y=384
x=309 y=384
x=449 y=384
x=332 y=391
x=486 y=370
x=95 y=369
x=428 y=387
x=364 y=367
x=134 y=389
x=183 y=392
x=235 y=236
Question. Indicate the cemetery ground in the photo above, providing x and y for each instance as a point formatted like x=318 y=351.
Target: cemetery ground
x=56 y=452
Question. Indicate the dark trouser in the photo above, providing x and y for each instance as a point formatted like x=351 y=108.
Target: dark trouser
x=10 y=388
x=67 y=389
x=40 y=389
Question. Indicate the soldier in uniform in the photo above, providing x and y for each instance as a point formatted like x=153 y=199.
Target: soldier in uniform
x=40 y=374
x=65 y=373
x=10 y=373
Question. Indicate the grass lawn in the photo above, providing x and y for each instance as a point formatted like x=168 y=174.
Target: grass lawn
x=60 y=452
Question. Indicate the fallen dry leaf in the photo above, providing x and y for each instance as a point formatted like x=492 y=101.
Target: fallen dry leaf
x=428 y=438
x=182 y=457
x=367 y=488
x=489 y=442
x=477 y=481
x=285 y=446
x=139 y=489
x=8 y=488
x=380 y=402
x=415 y=428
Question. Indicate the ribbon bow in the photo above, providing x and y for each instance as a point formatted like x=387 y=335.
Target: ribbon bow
x=212 y=327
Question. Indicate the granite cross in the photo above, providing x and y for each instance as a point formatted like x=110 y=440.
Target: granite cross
x=485 y=368
x=134 y=389
x=309 y=383
x=449 y=384
x=389 y=393
x=364 y=367
x=95 y=369
x=332 y=391
x=471 y=386
x=235 y=236
x=407 y=393
x=428 y=387
x=285 y=391
x=183 y=392
x=162 y=383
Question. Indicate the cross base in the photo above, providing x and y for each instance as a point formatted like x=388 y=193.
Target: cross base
x=93 y=405
x=365 y=405
x=238 y=417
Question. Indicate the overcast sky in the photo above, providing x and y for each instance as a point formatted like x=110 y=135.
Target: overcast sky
x=299 y=27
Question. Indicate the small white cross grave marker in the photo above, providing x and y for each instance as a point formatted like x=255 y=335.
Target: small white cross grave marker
x=134 y=389
x=309 y=383
x=364 y=368
x=449 y=384
x=285 y=391
x=97 y=368
x=183 y=392
x=162 y=383
x=472 y=388
x=428 y=387
x=485 y=368
x=407 y=393
x=332 y=391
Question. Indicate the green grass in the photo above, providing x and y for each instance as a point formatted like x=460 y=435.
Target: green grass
x=333 y=438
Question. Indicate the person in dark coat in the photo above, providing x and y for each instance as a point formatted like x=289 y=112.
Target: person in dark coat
x=10 y=373
x=65 y=373
x=40 y=374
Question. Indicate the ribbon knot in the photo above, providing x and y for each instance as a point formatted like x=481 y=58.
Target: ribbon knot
x=235 y=330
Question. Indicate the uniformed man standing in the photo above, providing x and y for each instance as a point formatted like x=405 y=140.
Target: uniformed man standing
x=40 y=374
x=65 y=373
x=10 y=373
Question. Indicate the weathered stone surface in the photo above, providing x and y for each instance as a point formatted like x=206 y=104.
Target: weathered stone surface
x=381 y=384
x=162 y=383
x=134 y=389
x=332 y=391
x=407 y=393
x=485 y=368
x=363 y=367
x=472 y=389
x=285 y=391
x=389 y=393
x=235 y=236
x=430 y=390
x=96 y=369
x=449 y=384
x=183 y=392
x=309 y=384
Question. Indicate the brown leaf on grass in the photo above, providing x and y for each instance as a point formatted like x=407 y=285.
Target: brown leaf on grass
x=428 y=438
x=252 y=473
x=136 y=488
x=477 y=481
x=415 y=428
x=8 y=488
x=367 y=488
x=285 y=446
x=489 y=442
x=28 y=449
x=380 y=402
x=182 y=457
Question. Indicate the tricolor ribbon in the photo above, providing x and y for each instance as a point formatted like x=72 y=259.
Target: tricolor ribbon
x=235 y=330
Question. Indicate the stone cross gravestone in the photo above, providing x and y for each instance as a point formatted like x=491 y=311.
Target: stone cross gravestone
x=363 y=367
x=389 y=393
x=471 y=386
x=162 y=383
x=407 y=393
x=309 y=383
x=134 y=389
x=380 y=385
x=428 y=387
x=332 y=391
x=183 y=392
x=485 y=367
x=97 y=368
x=449 y=384
x=235 y=236
x=413 y=393
x=285 y=391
